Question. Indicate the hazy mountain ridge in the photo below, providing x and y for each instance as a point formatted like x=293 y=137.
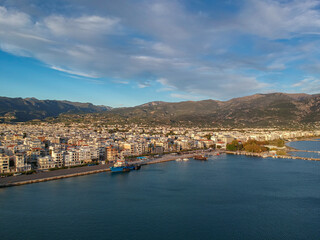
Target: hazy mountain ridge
x=25 y=109
x=274 y=109
x=259 y=110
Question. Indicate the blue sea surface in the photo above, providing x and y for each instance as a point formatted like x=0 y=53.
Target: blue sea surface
x=305 y=145
x=308 y=146
x=226 y=197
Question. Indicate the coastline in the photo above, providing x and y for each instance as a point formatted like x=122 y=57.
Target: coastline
x=79 y=171
x=265 y=155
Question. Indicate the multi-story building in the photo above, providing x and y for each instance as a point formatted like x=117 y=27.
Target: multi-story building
x=112 y=154
x=72 y=158
x=4 y=163
x=20 y=162
x=58 y=158
x=46 y=163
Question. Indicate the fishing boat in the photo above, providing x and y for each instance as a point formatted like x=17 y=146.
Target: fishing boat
x=120 y=166
x=200 y=157
x=186 y=159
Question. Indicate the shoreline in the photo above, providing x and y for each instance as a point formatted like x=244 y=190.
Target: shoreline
x=88 y=170
x=80 y=171
x=264 y=155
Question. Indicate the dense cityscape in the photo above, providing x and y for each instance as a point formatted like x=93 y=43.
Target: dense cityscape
x=29 y=148
x=160 y=119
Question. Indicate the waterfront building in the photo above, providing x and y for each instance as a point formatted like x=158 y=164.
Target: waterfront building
x=58 y=158
x=45 y=163
x=20 y=162
x=72 y=158
x=112 y=154
x=4 y=163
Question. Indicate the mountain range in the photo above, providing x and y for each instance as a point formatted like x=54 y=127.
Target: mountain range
x=259 y=110
x=25 y=109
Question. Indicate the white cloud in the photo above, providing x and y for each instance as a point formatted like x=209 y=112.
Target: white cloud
x=144 y=85
x=84 y=27
x=308 y=84
x=121 y=81
x=185 y=96
x=74 y=72
x=199 y=53
x=13 y=18
x=280 y=19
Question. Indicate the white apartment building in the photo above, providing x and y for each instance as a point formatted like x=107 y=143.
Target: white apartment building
x=20 y=161
x=46 y=163
x=58 y=158
x=4 y=163
x=72 y=158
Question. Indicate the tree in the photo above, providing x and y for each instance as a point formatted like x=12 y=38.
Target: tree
x=208 y=136
x=234 y=146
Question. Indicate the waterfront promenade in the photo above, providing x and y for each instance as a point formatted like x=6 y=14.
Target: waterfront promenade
x=52 y=175
x=80 y=171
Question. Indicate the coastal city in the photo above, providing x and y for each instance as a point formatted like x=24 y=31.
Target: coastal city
x=160 y=119
x=29 y=148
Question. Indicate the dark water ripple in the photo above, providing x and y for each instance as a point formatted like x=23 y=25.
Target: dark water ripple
x=227 y=197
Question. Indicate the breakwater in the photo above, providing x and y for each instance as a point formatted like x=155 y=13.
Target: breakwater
x=265 y=155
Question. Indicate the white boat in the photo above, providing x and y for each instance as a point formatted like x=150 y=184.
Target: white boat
x=186 y=159
x=178 y=159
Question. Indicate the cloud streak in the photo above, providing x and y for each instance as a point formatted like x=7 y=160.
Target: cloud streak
x=194 y=51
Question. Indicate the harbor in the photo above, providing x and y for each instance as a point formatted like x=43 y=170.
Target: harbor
x=81 y=171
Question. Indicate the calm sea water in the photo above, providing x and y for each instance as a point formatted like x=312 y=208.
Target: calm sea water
x=305 y=145
x=227 y=197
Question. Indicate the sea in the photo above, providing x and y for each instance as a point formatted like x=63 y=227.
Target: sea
x=226 y=197
x=306 y=145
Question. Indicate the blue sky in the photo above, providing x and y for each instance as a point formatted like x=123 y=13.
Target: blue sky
x=125 y=53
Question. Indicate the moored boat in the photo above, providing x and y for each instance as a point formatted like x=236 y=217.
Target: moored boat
x=120 y=166
x=119 y=169
x=200 y=157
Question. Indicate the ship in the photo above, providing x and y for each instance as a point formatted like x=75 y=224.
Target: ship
x=200 y=157
x=122 y=166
